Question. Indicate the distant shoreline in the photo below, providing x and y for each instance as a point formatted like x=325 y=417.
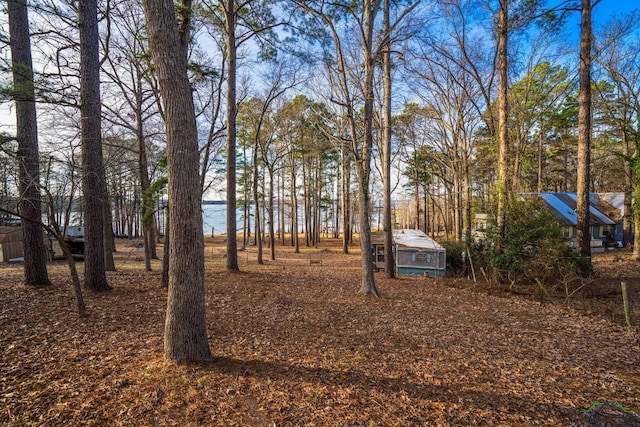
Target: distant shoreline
x=204 y=202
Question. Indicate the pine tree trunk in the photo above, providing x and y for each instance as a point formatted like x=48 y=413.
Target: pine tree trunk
x=346 y=201
x=364 y=163
x=583 y=242
x=272 y=236
x=232 y=244
x=30 y=207
x=467 y=196
x=627 y=220
x=90 y=130
x=503 y=112
x=294 y=206
x=107 y=231
x=164 y=280
x=636 y=220
x=256 y=200
x=185 y=337
x=389 y=262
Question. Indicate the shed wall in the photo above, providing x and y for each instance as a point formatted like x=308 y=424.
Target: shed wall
x=11 y=245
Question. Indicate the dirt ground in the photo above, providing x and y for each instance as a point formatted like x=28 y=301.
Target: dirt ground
x=296 y=345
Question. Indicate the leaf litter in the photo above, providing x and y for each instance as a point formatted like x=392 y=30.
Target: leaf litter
x=295 y=344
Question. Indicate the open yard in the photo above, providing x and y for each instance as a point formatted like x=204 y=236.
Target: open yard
x=296 y=345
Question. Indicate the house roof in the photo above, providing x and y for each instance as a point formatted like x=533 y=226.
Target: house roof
x=407 y=238
x=415 y=239
x=563 y=207
x=612 y=204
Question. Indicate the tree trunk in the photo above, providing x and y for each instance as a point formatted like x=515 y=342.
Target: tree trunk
x=467 y=193
x=90 y=130
x=346 y=201
x=232 y=244
x=294 y=204
x=364 y=163
x=503 y=113
x=145 y=182
x=107 y=232
x=627 y=220
x=185 y=337
x=457 y=204
x=272 y=237
x=389 y=263
x=416 y=199
x=305 y=200
x=317 y=196
x=165 y=255
x=30 y=207
x=636 y=221
x=427 y=229
x=540 y=152
x=256 y=200
x=583 y=242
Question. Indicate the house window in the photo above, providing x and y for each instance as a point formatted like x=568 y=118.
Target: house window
x=421 y=257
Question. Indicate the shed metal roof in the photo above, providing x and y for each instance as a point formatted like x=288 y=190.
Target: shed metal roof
x=415 y=239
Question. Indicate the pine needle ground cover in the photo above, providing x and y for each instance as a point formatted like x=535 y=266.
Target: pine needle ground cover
x=295 y=344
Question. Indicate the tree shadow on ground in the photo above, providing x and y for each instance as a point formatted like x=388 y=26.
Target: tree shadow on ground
x=480 y=401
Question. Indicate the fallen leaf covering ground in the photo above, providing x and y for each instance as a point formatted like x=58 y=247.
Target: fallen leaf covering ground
x=295 y=344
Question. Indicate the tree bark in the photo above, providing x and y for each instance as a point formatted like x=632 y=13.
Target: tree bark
x=636 y=221
x=272 y=237
x=627 y=220
x=295 y=238
x=389 y=263
x=232 y=244
x=503 y=113
x=145 y=182
x=364 y=162
x=107 y=230
x=164 y=278
x=29 y=205
x=345 y=163
x=258 y=227
x=583 y=242
x=90 y=128
x=185 y=337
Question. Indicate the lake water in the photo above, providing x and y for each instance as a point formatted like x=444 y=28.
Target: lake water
x=215 y=217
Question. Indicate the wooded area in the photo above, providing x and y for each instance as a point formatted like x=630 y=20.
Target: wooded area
x=507 y=130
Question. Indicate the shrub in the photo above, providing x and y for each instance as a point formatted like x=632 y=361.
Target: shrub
x=533 y=246
x=455 y=265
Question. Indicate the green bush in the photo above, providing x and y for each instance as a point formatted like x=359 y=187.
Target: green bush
x=455 y=266
x=533 y=246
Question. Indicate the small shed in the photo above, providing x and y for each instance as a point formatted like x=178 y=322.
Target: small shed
x=11 y=245
x=416 y=254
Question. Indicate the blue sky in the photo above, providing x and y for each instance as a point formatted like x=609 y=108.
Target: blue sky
x=602 y=14
x=606 y=8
